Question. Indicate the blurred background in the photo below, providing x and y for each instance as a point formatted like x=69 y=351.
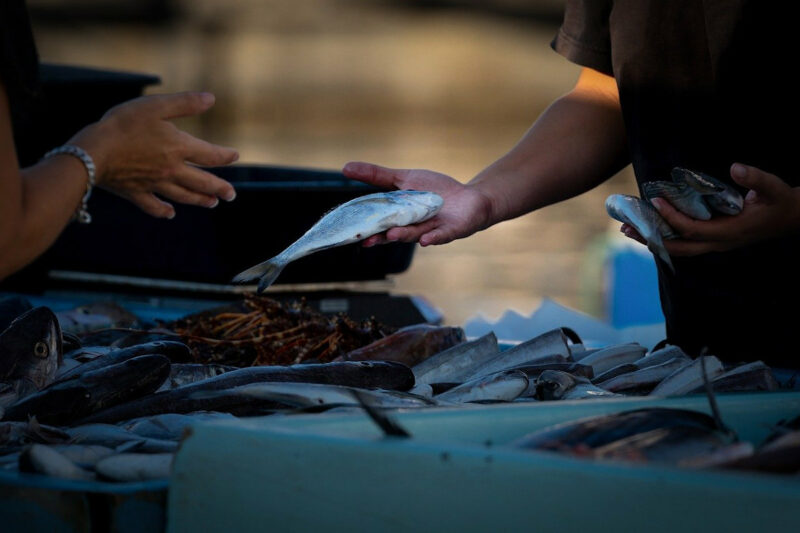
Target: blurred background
x=444 y=85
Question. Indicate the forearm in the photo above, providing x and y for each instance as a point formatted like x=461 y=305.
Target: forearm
x=575 y=145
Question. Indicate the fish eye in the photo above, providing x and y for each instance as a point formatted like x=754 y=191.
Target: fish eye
x=41 y=350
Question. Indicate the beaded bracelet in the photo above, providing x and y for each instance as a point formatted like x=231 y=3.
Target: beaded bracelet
x=82 y=214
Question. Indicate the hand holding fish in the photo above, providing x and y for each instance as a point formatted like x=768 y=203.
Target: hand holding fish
x=465 y=211
x=770 y=211
x=139 y=154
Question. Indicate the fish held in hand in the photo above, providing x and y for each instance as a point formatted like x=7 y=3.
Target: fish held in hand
x=642 y=217
x=351 y=222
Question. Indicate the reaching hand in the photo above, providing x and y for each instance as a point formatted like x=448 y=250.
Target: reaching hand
x=771 y=209
x=139 y=153
x=465 y=210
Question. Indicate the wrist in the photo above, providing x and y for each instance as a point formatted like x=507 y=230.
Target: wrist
x=93 y=140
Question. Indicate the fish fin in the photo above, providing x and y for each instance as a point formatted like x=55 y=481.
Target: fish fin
x=387 y=424
x=657 y=248
x=702 y=183
x=268 y=271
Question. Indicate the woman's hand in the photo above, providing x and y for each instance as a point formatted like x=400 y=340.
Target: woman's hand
x=139 y=154
x=465 y=210
x=771 y=210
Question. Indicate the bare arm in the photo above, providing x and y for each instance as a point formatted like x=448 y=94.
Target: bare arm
x=138 y=154
x=576 y=144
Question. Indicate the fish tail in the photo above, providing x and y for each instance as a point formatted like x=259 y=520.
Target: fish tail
x=267 y=271
x=656 y=246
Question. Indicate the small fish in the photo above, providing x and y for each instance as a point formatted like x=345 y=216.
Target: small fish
x=611 y=356
x=644 y=379
x=116 y=437
x=135 y=466
x=662 y=355
x=722 y=197
x=576 y=369
x=688 y=377
x=351 y=222
x=42 y=459
x=642 y=217
x=457 y=362
x=409 y=345
x=557 y=385
x=504 y=386
x=174 y=351
x=169 y=426
x=30 y=354
x=753 y=376
x=95 y=316
x=181 y=374
x=621 y=369
x=549 y=347
x=83 y=455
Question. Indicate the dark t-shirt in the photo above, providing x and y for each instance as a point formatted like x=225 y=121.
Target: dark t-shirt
x=704 y=84
x=19 y=62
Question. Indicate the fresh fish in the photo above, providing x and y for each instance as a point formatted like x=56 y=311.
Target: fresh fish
x=653 y=434
x=73 y=399
x=97 y=315
x=662 y=355
x=644 y=380
x=83 y=455
x=681 y=195
x=135 y=466
x=42 y=459
x=409 y=345
x=169 y=426
x=361 y=374
x=350 y=222
x=456 y=363
x=576 y=369
x=184 y=373
x=644 y=219
x=174 y=351
x=753 y=376
x=14 y=435
x=504 y=386
x=85 y=354
x=611 y=356
x=422 y=389
x=557 y=385
x=315 y=394
x=624 y=368
x=722 y=197
x=688 y=377
x=30 y=354
x=116 y=437
x=549 y=347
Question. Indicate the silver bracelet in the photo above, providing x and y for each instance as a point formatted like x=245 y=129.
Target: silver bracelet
x=82 y=214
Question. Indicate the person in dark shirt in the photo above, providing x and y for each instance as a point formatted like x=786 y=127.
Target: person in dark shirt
x=133 y=151
x=700 y=85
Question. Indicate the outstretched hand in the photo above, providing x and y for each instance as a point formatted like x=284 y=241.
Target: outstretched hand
x=771 y=210
x=139 y=154
x=465 y=210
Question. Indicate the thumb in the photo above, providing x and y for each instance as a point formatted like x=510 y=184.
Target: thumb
x=765 y=185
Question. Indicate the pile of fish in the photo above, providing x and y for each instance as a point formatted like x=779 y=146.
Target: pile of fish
x=695 y=194
x=677 y=437
x=116 y=411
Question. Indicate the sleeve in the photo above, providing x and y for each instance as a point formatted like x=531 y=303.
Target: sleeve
x=584 y=36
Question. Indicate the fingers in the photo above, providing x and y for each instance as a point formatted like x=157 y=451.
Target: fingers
x=684 y=225
x=631 y=233
x=206 y=154
x=387 y=178
x=176 y=105
x=152 y=205
x=183 y=195
x=767 y=186
x=204 y=183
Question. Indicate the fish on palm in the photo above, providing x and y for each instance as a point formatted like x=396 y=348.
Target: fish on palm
x=351 y=222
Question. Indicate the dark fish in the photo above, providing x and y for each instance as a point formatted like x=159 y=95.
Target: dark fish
x=169 y=426
x=557 y=385
x=576 y=369
x=30 y=354
x=70 y=342
x=174 y=351
x=363 y=374
x=71 y=400
x=661 y=355
x=88 y=353
x=456 y=363
x=181 y=374
x=644 y=380
x=119 y=439
x=95 y=316
x=409 y=345
x=42 y=459
x=618 y=370
x=654 y=434
x=755 y=376
x=780 y=456
x=549 y=347
x=142 y=337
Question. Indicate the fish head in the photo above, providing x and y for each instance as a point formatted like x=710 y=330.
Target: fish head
x=728 y=202
x=31 y=347
x=553 y=384
x=427 y=202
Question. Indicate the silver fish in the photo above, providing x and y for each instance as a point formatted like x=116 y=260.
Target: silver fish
x=83 y=455
x=557 y=385
x=619 y=370
x=456 y=363
x=42 y=459
x=721 y=196
x=611 y=356
x=135 y=466
x=662 y=355
x=549 y=347
x=184 y=373
x=688 y=377
x=647 y=377
x=645 y=219
x=749 y=377
x=353 y=221
x=503 y=386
